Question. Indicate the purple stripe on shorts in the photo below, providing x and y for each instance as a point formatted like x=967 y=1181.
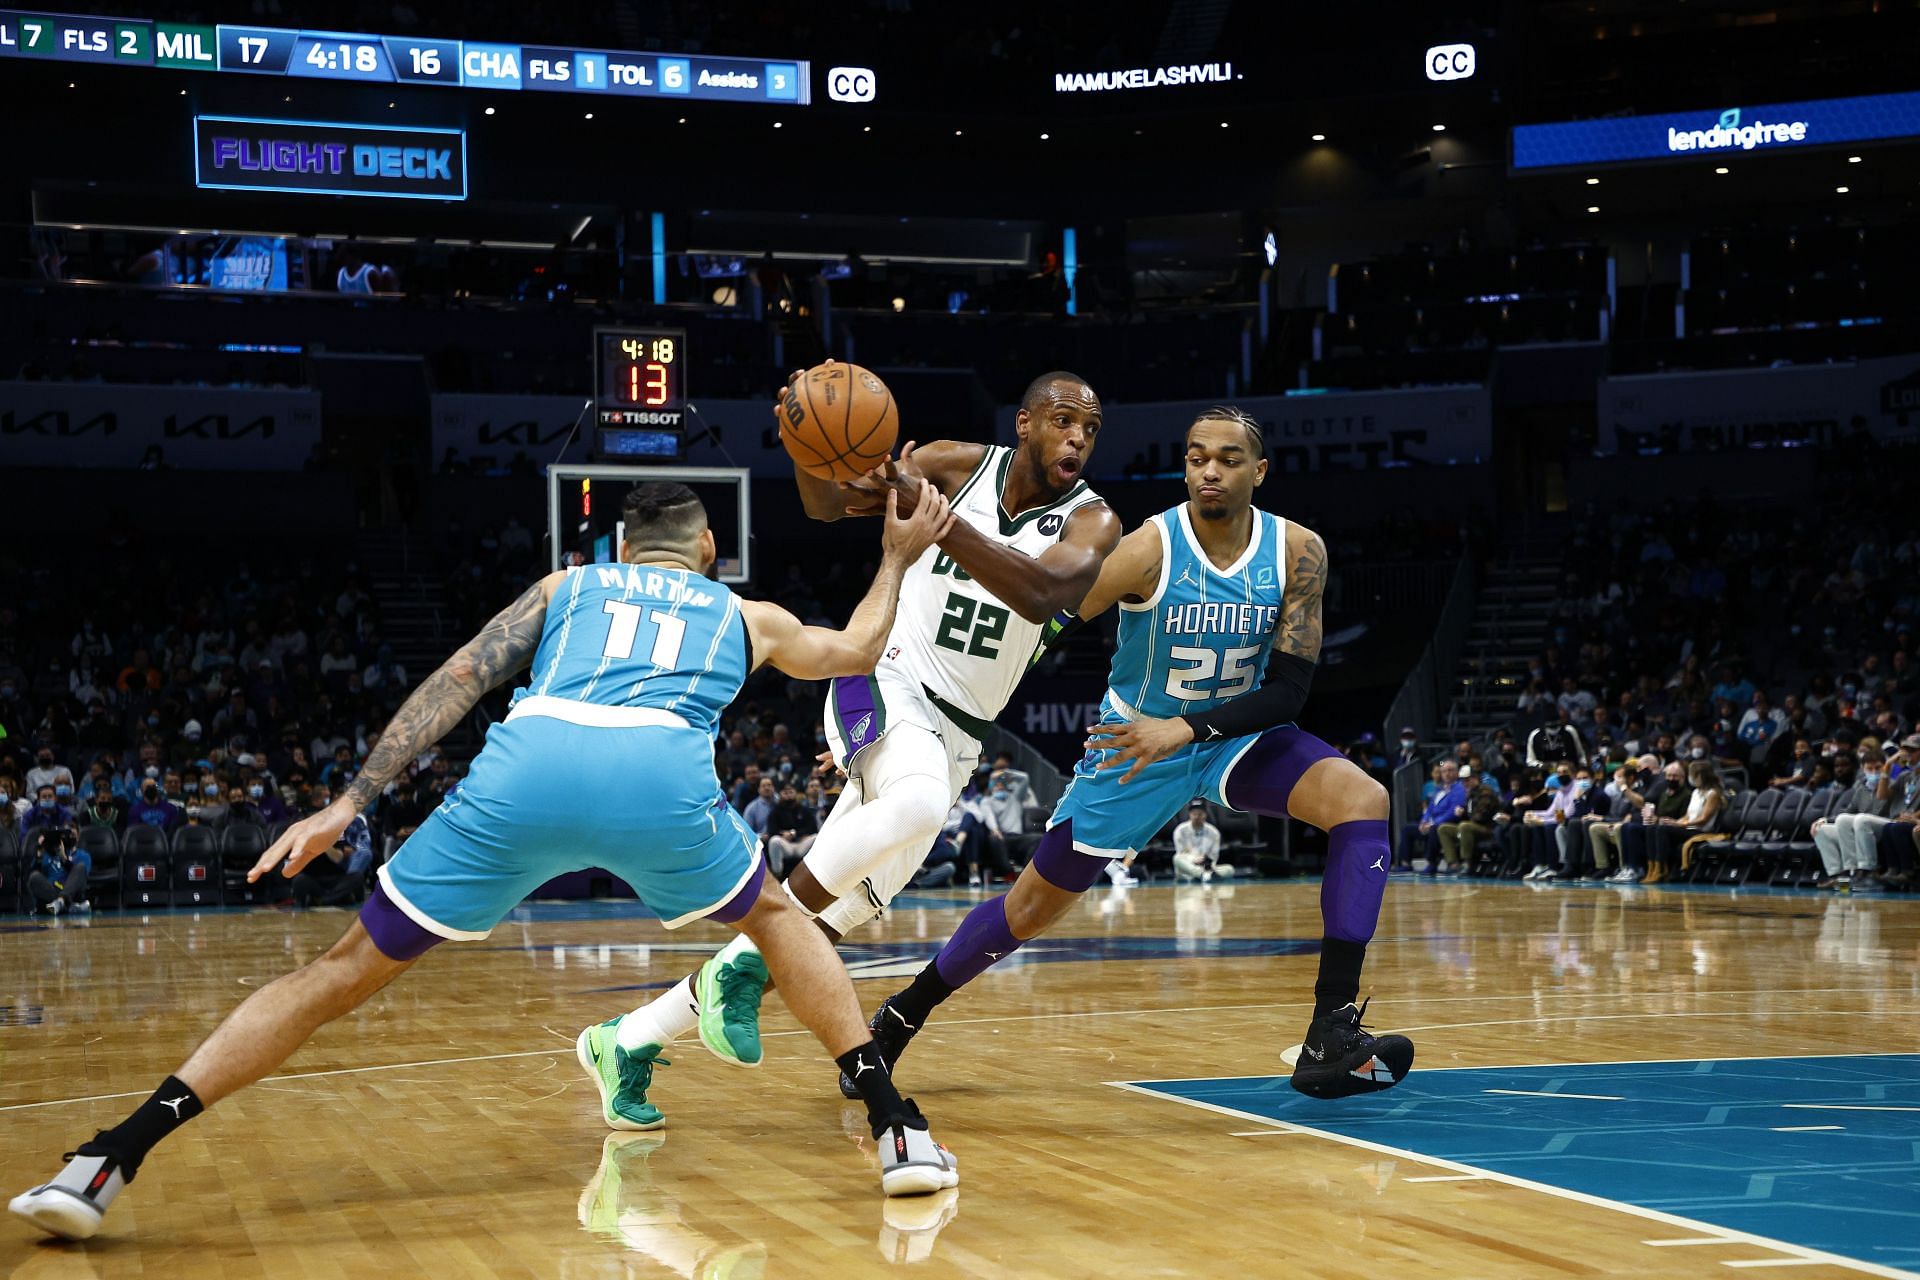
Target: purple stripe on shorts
x=1263 y=780
x=397 y=936
x=742 y=902
x=859 y=718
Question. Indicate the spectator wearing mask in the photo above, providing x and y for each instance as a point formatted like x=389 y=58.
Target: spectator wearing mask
x=1409 y=751
x=213 y=801
x=1619 y=802
x=102 y=809
x=1549 y=840
x=242 y=810
x=1552 y=743
x=47 y=811
x=1196 y=847
x=1847 y=838
x=1449 y=802
x=791 y=828
x=342 y=763
x=1703 y=823
x=1652 y=839
x=265 y=801
x=58 y=879
x=152 y=808
x=1459 y=840
x=47 y=773
x=760 y=810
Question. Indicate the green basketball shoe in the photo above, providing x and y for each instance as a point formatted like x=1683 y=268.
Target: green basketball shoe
x=729 y=993
x=621 y=1076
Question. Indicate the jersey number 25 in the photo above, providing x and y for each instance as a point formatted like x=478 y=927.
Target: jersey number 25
x=1235 y=668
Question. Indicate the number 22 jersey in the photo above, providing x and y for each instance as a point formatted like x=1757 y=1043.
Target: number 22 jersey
x=1204 y=635
x=951 y=634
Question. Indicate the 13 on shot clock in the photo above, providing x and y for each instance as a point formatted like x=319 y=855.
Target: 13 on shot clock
x=639 y=383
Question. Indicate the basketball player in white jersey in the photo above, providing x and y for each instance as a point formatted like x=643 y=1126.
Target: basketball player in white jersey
x=1029 y=541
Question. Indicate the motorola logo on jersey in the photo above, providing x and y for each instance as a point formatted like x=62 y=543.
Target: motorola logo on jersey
x=850 y=84
x=1050 y=525
x=1451 y=62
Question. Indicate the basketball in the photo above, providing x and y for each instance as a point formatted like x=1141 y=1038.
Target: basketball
x=838 y=421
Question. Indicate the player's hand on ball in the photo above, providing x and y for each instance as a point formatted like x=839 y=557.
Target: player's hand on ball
x=306 y=840
x=867 y=495
x=1141 y=741
x=930 y=520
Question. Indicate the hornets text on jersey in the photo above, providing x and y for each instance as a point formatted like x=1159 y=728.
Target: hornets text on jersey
x=1205 y=633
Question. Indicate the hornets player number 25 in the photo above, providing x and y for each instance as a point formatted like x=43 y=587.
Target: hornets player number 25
x=1219 y=633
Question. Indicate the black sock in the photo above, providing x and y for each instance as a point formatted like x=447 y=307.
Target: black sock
x=917 y=1003
x=172 y=1105
x=868 y=1071
x=1339 y=981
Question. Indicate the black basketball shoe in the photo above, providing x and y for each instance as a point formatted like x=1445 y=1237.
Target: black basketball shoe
x=1339 y=1058
x=890 y=1035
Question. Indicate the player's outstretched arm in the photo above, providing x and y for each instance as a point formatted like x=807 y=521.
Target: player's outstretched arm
x=820 y=653
x=503 y=647
x=1296 y=650
x=1130 y=573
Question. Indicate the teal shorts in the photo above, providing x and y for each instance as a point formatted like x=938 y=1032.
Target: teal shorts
x=546 y=797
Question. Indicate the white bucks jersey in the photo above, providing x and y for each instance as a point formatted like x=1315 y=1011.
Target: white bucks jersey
x=951 y=634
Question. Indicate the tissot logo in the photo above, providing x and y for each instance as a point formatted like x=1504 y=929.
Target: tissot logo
x=850 y=84
x=1450 y=62
x=1727 y=131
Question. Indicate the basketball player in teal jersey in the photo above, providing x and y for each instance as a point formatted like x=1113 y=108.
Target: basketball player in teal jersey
x=604 y=760
x=1212 y=594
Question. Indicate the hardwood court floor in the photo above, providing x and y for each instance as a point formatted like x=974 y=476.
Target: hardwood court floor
x=446 y=1130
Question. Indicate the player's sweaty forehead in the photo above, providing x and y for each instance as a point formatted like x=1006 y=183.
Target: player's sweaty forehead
x=1075 y=397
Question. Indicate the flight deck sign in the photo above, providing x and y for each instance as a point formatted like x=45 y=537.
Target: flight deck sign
x=236 y=153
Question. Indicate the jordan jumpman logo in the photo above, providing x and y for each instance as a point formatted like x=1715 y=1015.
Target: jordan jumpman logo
x=175 y=1103
x=1379 y=863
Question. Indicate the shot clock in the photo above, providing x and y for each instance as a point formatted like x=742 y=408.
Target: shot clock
x=640 y=391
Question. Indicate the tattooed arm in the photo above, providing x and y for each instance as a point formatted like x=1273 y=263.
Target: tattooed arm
x=1300 y=628
x=503 y=647
x=1296 y=649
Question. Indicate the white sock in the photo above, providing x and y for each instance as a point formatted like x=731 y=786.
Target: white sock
x=672 y=1014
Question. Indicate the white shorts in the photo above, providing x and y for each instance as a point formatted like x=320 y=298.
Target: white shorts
x=905 y=735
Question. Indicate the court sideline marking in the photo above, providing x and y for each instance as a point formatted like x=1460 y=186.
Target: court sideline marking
x=1801 y=1254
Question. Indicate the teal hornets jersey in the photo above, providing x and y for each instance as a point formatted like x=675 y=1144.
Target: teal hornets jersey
x=638 y=636
x=1204 y=635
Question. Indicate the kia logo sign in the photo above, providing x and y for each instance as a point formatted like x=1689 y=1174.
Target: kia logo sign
x=851 y=84
x=1450 y=62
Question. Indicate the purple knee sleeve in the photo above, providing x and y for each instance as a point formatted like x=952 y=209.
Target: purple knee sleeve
x=392 y=930
x=742 y=902
x=981 y=940
x=1263 y=779
x=1063 y=866
x=1357 y=859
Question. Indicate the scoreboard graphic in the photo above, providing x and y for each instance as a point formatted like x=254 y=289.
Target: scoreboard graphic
x=337 y=55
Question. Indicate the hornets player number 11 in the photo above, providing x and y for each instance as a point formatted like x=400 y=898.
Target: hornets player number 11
x=1219 y=633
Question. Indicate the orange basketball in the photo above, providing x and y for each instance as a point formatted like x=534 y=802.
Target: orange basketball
x=838 y=421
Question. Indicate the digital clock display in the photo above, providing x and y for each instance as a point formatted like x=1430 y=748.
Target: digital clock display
x=640 y=377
